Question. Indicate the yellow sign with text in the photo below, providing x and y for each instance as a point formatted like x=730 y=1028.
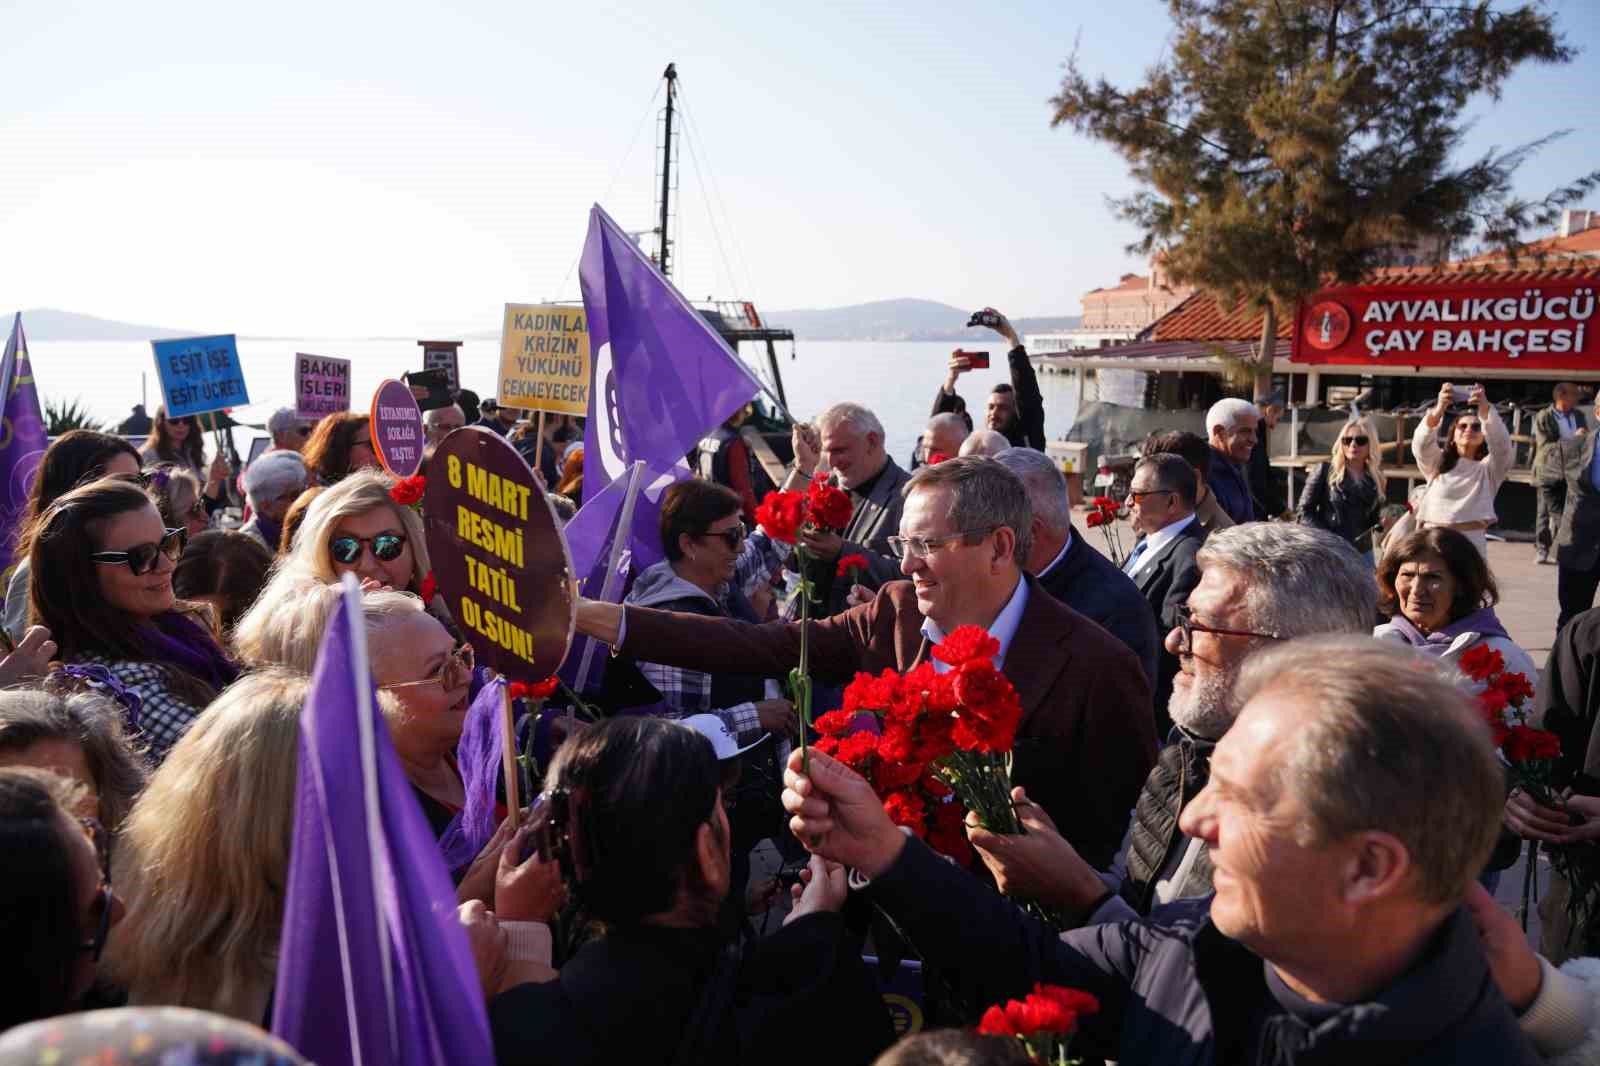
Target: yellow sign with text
x=544 y=359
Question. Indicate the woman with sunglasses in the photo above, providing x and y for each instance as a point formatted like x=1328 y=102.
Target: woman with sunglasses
x=1345 y=494
x=102 y=562
x=56 y=903
x=339 y=445
x=75 y=457
x=178 y=498
x=180 y=442
x=356 y=527
x=712 y=567
x=1465 y=472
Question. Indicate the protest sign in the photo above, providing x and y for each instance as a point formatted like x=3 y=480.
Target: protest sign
x=443 y=355
x=200 y=374
x=321 y=385
x=544 y=359
x=498 y=558
x=397 y=436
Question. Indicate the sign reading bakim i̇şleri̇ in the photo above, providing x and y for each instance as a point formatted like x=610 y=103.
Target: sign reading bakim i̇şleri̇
x=200 y=374
x=321 y=385
x=544 y=359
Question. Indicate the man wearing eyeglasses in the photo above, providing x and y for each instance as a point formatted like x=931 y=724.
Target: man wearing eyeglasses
x=1086 y=741
x=1161 y=499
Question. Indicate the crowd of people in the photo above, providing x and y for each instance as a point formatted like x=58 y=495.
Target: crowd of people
x=1263 y=813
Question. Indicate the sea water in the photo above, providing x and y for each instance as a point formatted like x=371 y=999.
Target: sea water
x=896 y=380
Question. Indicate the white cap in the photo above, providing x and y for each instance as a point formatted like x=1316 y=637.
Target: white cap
x=723 y=742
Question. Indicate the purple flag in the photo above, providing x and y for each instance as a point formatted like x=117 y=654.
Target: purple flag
x=478 y=755
x=373 y=965
x=662 y=378
x=23 y=440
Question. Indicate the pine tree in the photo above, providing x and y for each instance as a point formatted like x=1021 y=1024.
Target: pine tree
x=1284 y=143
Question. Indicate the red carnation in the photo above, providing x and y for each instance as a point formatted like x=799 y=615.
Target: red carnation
x=948 y=834
x=830 y=506
x=781 y=515
x=1493 y=703
x=428 y=588
x=1071 y=998
x=835 y=723
x=990 y=709
x=906 y=809
x=856 y=750
x=935 y=458
x=995 y=1022
x=1516 y=687
x=1480 y=662
x=1092 y=519
x=538 y=690
x=1526 y=744
x=408 y=490
x=893 y=775
x=869 y=693
x=849 y=563
x=965 y=644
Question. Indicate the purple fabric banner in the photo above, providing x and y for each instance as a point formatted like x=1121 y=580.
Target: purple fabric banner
x=22 y=438
x=373 y=964
x=478 y=757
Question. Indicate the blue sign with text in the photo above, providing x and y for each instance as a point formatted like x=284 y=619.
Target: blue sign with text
x=200 y=374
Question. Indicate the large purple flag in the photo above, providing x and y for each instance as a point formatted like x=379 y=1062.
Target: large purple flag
x=373 y=965
x=22 y=437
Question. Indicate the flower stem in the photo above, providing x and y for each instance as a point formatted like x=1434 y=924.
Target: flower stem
x=802 y=681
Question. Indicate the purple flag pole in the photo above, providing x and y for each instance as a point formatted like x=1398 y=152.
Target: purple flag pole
x=373 y=964
x=22 y=437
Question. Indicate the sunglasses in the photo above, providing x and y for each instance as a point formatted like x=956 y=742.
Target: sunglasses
x=1470 y=427
x=141 y=558
x=386 y=547
x=733 y=538
x=1361 y=441
x=454 y=672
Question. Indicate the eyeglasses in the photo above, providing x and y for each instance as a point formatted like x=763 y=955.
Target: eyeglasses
x=1360 y=442
x=386 y=547
x=103 y=899
x=1188 y=627
x=454 y=672
x=922 y=547
x=141 y=558
x=1138 y=497
x=1473 y=427
x=733 y=538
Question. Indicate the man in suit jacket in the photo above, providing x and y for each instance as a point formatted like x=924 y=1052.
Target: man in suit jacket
x=1071 y=570
x=1162 y=564
x=1085 y=743
x=1561 y=421
x=1578 y=543
x=849 y=441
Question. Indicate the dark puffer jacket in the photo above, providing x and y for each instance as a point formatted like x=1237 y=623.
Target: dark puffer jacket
x=1173 y=990
x=1348 y=509
x=1180 y=773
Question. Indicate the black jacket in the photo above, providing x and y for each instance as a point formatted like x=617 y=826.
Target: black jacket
x=802 y=995
x=1174 y=991
x=1578 y=541
x=1349 y=509
x=1028 y=429
x=1182 y=770
x=1092 y=585
x=1165 y=585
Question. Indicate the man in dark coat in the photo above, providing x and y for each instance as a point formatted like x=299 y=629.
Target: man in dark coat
x=1346 y=772
x=1072 y=571
x=1162 y=564
x=1266 y=484
x=1086 y=740
x=1231 y=427
x=1017 y=409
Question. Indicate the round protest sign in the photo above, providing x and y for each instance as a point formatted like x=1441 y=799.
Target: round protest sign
x=499 y=559
x=397 y=436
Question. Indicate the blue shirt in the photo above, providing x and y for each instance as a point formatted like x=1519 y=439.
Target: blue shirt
x=1003 y=628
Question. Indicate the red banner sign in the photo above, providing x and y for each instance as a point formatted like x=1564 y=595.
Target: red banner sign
x=1546 y=324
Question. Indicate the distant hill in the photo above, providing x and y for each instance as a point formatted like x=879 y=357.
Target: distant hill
x=49 y=324
x=898 y=320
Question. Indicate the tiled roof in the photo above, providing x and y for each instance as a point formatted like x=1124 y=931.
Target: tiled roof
x=1199 y=318
x=1584 y=243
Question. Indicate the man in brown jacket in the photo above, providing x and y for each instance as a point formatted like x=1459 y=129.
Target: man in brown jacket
x=1086 y=742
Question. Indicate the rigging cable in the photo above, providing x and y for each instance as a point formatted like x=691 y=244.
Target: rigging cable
x=748 y=287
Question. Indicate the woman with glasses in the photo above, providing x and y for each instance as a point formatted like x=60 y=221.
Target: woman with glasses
x=713 y=565
x=339 y=445
x=179 y=499
x=356 y=527
x=1345 y=494
x=1465 y=472
x=74 y=458
x=102 y=562
x=56 y=903
x=180 y=442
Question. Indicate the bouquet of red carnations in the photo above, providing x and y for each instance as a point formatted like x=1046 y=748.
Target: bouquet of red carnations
x=1044 y=1021
x=1104 y=513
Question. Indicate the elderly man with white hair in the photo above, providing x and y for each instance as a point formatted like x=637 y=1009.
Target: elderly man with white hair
x=1231 y=426
x=289 y=431
x=271 y=484
x=943 y=437
x=985 y=442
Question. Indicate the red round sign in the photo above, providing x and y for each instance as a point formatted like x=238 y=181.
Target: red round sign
x=500 y=561
x=396 y=427
x=1327 y=325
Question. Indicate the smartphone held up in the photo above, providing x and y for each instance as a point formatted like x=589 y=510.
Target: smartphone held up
x=978 y=360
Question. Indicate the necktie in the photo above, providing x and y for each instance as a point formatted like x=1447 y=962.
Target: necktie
x=1133 y=556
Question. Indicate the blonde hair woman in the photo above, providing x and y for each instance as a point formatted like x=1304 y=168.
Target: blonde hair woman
x=1346 y=494
x=203 y=860
x=285 y=625
x=357 y=527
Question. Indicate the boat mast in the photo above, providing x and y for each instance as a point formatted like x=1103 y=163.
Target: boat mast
x=664 y=244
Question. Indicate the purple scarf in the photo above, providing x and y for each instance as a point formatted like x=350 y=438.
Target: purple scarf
x=1482 y=621
x=179 y=641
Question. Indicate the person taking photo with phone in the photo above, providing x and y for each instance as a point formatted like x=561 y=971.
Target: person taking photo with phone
x=1466 y=470
x=1015 y=410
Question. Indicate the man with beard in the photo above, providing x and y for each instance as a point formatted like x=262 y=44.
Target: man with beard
x=1259 y=584
x=1016 y=410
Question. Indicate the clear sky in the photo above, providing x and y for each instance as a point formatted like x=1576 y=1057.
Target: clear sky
x=307 y=169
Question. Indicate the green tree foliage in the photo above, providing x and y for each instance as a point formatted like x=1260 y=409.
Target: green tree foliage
x=1282 y=143
x=61 y=416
